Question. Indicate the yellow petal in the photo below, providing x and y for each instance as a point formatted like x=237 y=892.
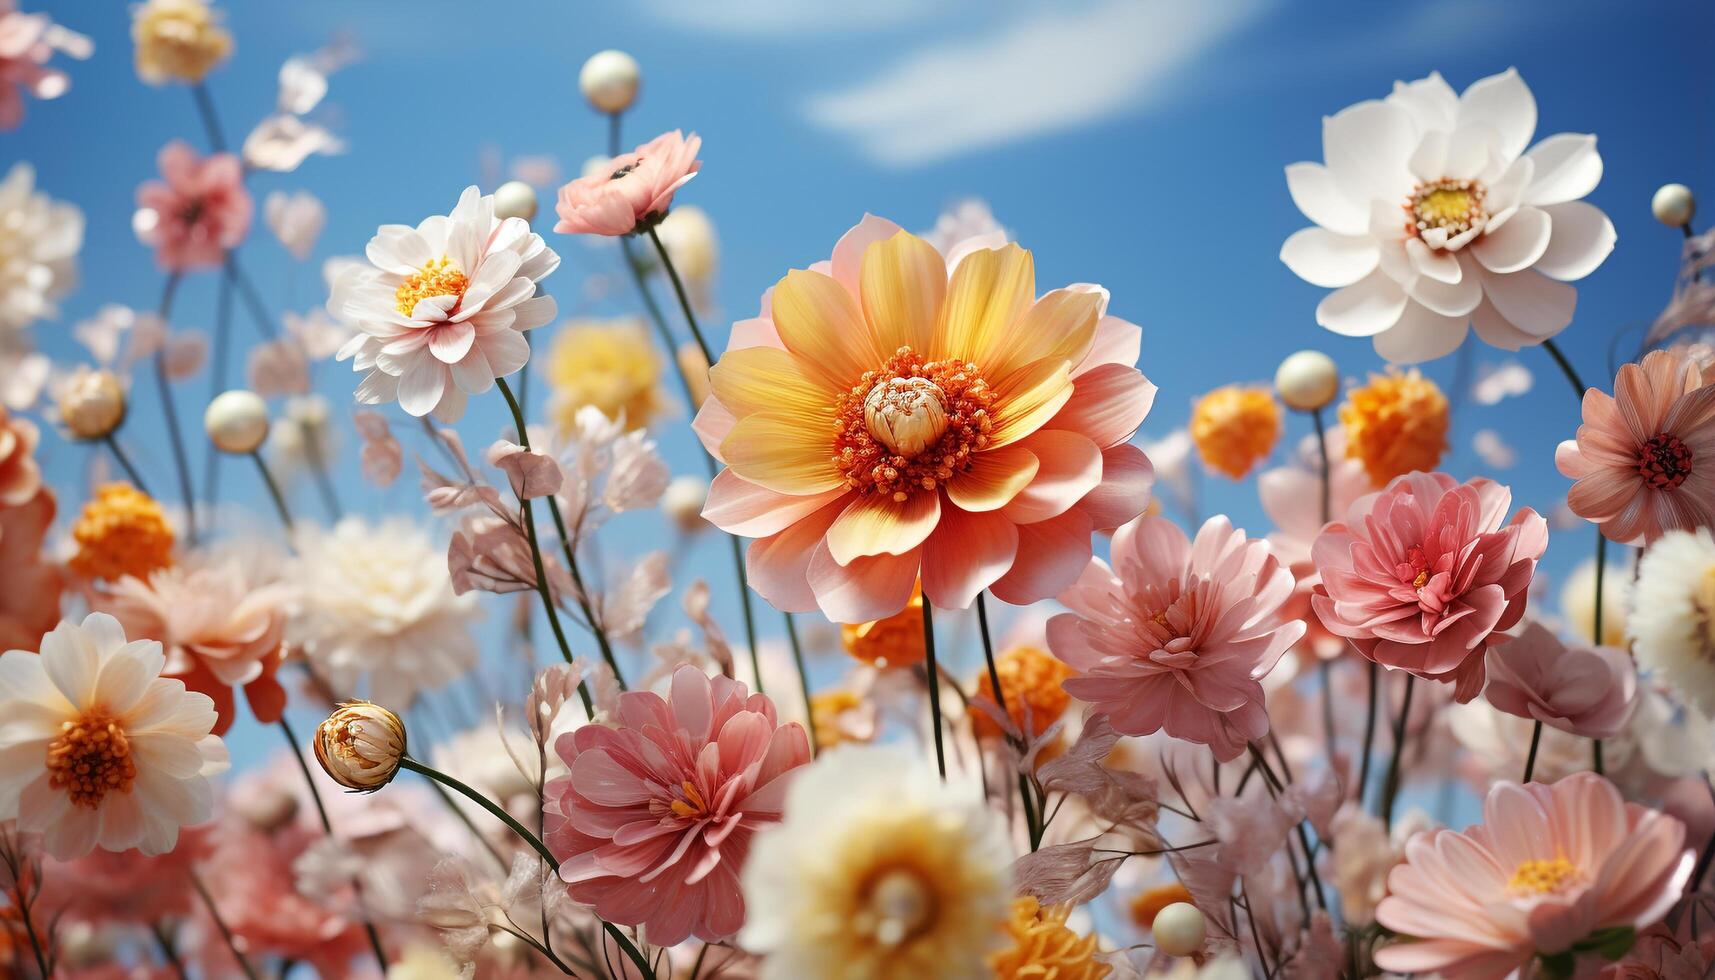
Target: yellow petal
x=786 y=454
x=1030 y=401
x=876 y=524
x=995 y=477
x=990 y=290
x=903 y=284
x=821 y=323
x=762 y=379
x=1059 y=326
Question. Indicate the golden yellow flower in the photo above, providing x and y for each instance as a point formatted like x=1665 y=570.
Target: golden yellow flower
x=1395 y=424
x=841 y=716
x=608 y=364
x=123 y=531
x=178 y=40
x=1234 y=427
x=1145 y=905
x=896 y=641
x=1030 y=678
x=1043 y=948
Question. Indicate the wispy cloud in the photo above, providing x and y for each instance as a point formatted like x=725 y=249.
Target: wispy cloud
x=1041 y=74
x=781 y=18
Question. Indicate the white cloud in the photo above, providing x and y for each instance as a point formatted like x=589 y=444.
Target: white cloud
x=1044 y=73
x=1493 y=449
x=780 y=18
x=1498 y=381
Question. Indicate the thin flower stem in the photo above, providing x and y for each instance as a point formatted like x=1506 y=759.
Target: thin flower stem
x=274 y=492
x=1390 y=786
x=684 y=298
x=1274 y=784
x=319 y=471
x=569 y=548
x=210 y=120
x=1577 y=383
x=1324 y=464
x=803 y=682
x=1369 y=735
x=934 y=673
x=252 y=298
x=125 y=464
x=1031 y=823
x=36 y=941
x=531 y=942
x=169 y=952
x=1530 y=758
x=212 y=457
x=220 y=924
x=170 y=410
x=1596 y=633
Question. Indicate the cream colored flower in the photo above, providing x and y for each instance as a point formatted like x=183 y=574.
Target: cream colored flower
x=1578 y=602
x=39 y=242
x=360 y=745
x=177 y=40
x=1672 y=623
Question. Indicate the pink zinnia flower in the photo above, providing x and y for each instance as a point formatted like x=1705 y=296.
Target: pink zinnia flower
x=1583 y=690
x=633 y=191
x=27 y=42
x=1177 y=634
x=654 y=820
x=1549 y=866
x=197 y=212
x=1421 y=575
x=1644 y=458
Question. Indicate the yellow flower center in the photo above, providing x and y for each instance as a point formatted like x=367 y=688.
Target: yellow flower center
x=686 y=804
x=1454 y=206
x=90 y=758
x=911 y=425
x=899 y=905
x=1539 y=877
x=438 y=277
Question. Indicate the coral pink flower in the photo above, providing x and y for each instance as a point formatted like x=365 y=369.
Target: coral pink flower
x=27 y=42
x=1178 y=634
x=633 y=191
x=30 y=584
x=1292 y=498
x=1548 y=866
x=126 y=887
x=654 y=820
x=882 y=422
x=1421 y=575
x=20 y=475
x=1644 y=458
x=198 y=210
x=1585 y=691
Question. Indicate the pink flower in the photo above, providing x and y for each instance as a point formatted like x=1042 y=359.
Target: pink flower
x=633 y=192
x=1178 y=634
x=655 y=818
x=27 y=42
x=126 y=887
x=1292 y=498
x=1644 y=458
x=1549 y=866
x=30 y=583
x=197 y=212
x=1422 y=574
x=1585 y=691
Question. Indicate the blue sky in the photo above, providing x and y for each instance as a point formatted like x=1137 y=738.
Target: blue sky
x=1135 y=143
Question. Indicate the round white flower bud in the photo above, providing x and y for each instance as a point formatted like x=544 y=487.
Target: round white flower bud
x=683 y=501
x=360 y=745
x=515 y=199
x=1307 y=380
x=91 y=404
x=1179 y=929
x=236 y=421
x=1673 y=205
x=609 y=81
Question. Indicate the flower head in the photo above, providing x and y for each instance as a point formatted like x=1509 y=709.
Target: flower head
x=1395 y=424
x=611 y=365
x=359 y=745
x=892 y=641
x=442 y=310
x=39 y=240
x=1234 y=427
x=632 y=192
x=882 y=421
x=1644 y=458
x=91 y=403
x=840 y=716
x=656 y=816
x=177 y=40
x=123 y=531
x=30 y=581
x=197 y=212
x=1672 y=621
x=20 y=474
x=1578 y=602
x=1431 y=218
x=1043 y=946
x=1030 y=680
x=1178 y=634
x=1549 y=866
x=27 y=43
x=100 y=750
x=1583 y=690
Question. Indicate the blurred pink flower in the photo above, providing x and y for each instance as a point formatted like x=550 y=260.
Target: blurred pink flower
x=1178 y=634
x=1585 y=691
x=633 y=192
x=1421 y=575
x=197 y=212
x=655 y=818
x=1549 y=866
x=30 y=584
x=126 y=887
x=20 y=475
x=1662 y=955
x=382 y=456
x=27 y=42
x=1644 y=458
x=1292 y=498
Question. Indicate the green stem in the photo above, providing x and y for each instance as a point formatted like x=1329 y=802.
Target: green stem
x=1031 y=823
x=170 y=412
x=803 y=682
x=126 y=464
x=684 y=298
x=169 y=952
x=570 y=549
x=1566 y=368
x=934 y=685
x=210 y=120
x=1390 y=786
x=213 y=457
x=1369 y=735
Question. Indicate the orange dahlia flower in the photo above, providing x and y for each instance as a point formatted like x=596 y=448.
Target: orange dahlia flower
x=884 y=419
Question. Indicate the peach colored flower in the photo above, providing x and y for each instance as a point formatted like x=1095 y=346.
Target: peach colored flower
x=1644 y=458
x=1292 y=497
x=881 y=420
x=1422 y=575
x=1177 y=634
x=654 y=820
x=1583 y=690
x=196 y=212
x=20 y=476
x=1549 y=866
x=27 y=42
x=633 y=191
x=30 y=584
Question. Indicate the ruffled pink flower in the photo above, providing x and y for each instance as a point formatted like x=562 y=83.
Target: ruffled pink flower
x=27 y=42
x=1421 y=576
x=197 y=212
x=1292 y=497
x=1178 y=634
x=655 y=818
x=1549 y=866
x=1583 y=690
x=633 y=192
x=1644 y=458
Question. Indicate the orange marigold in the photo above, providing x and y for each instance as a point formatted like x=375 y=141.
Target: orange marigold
x=1395 y=424
x=841 y=716
x=1145 y=905
x=1044 y=948
x=1030 y=678
x=1234 y=427
x=896 y=641
x=123 y=531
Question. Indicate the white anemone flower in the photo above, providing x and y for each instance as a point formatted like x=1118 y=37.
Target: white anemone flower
x=1432 y=217
x=443 y=308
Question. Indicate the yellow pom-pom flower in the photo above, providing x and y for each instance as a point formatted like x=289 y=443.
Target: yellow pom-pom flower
x=123 y=531
x=1044 y=948
x=896 y=641
x=1235 y=427
x=608 y=364
x=1395 y=424
x=177 y=40
x=1030 y=678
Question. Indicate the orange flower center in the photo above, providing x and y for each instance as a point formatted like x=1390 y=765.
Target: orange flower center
x=90 y=758
x=911 y=425
x=1539 y=877
x=439 y=277
x=1664 y=462
x=686 y=803
x=1455 y=206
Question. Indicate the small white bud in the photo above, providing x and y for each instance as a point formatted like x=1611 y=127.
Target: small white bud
x=1179 y=929
x=236 y=421
x=684 y=500
x=1673 y=205
x=515 y=199
x=609 y=81
x=1307 y=380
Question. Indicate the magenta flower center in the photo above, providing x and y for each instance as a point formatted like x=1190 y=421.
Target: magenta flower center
x=1664 y=462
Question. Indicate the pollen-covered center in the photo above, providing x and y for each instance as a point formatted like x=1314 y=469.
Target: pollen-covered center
x=1544 y=877
x=91 y=757
x=911 y=425
x=1664 y=462
x=1445 y=209
x=898 y=905
x=437 y=277
x=686 y=803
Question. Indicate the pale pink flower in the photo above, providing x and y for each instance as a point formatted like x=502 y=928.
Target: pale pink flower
x=633 y=191
x=1421 y=576
x=655 y=818
x=126 y=887
x=197 y=212
x=1644 y=458
x=1548 y=866
x=1583 y=690
x=1177 y=634
x=1292 y=497
x=27 y=42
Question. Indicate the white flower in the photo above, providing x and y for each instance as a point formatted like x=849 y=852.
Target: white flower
x=1672 y=622
x=1578 y=603
x=442 y=312
x=1431 y=217
x=879 y=869
x=376 y=602
x=282 y=142
x=97 y=749
x=295 y=219
x=39 y=242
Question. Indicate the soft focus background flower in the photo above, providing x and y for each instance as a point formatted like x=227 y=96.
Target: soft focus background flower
x=1395 y=424
x=611 y=365
x=39 y=241
x=28 y=41
x=1672 y=620
x=177 y=40
x=197 y=212
x=1235 y=427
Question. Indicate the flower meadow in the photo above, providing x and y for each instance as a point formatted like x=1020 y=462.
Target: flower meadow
x=1034 y=715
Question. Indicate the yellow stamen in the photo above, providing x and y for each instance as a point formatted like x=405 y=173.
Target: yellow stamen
x=90 y=758
x=695 y=806
x=1539 y=877
x=439 y=277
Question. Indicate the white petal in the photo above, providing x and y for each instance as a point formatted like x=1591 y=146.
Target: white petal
x=1449 y=299
x=1518 y=244
x=1504 y=102
x=1567 y=168
x=1496 y=331
x=1420 y=335
x=1425 y=261
x=1470 y=152
x=398 y=249
x=506 y=350
x=1324 y=258
x=1313 y=189
x=1431 y=101
x=1507 y=191
x=533 y=313
x=421 y=384
x=1363 y=309
x=1583 y=237
x=1367 y=146
x=1532 y=302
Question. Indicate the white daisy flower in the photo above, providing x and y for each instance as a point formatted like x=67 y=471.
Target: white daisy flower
x=1672 y=621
